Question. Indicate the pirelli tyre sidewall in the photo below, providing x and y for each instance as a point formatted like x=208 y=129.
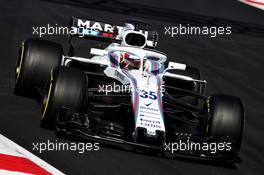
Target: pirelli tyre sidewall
x=227 y=118
x=66 y=88
x=35 y=61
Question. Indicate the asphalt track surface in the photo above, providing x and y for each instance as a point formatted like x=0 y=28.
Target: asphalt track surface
x=231 y=64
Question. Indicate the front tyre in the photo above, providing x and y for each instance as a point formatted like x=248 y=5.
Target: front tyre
x=227 y=118
x=67 y=88
x=36 y=59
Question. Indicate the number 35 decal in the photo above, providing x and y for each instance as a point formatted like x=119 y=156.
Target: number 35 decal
x=150 y=94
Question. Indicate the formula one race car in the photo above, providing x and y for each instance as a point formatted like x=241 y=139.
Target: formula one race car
x=128 y=93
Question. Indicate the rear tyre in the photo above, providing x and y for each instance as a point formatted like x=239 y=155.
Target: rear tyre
x=189 y=72
x=66 y=88
x=36 y=59
x=194 y=73
x=227 y=118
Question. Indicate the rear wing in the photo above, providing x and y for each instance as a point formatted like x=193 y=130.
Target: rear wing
x=89 y=29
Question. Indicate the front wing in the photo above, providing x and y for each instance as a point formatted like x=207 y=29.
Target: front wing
x=77 y=129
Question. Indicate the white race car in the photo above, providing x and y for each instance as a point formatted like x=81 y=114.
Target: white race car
x=128 y=93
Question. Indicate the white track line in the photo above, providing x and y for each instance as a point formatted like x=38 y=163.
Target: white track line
x=255 y=3
x=7 y=146
x=6 y=172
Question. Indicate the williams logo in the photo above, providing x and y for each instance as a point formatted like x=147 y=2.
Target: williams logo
x=148 y=104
